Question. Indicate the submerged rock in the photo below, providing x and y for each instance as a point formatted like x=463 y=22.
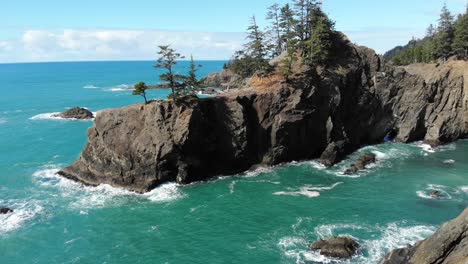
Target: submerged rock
x=436 y=194
x=449 y=245
x=76 y=113
x=5 y=210
x=361 y=163
x=336 y=247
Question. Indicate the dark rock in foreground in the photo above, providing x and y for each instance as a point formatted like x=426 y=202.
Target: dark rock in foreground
x=449 y=245
x=361 y=163
x=76 y=113
x=5 y=210
x=336 y=247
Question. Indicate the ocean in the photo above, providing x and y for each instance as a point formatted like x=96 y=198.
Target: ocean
x=269 y=215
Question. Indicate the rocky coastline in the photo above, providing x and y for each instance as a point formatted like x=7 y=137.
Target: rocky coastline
x=327 y=113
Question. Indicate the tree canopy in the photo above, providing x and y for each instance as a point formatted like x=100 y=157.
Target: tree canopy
x=299 y=28
x=448 y=38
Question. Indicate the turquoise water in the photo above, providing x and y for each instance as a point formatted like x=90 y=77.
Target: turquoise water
x=270 y=215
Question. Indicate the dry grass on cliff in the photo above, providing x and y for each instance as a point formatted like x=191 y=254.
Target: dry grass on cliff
x=433 y=71
x=267 y=83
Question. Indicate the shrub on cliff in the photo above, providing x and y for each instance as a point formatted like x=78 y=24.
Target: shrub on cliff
x=140 y=89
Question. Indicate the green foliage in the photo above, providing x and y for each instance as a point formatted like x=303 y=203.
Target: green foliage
x=140 y=89
x=446 y=33
x=167 y=60
x=300 y=28
x=450 y=38
x=460 y=42
x=191 y=81
x=286 y=66
x=317 y=48
x=253 y=58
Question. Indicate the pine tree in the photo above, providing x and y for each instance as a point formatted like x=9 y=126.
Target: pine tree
x=444 y=38
x=191 y=81
x=275 y=32
x=140 y=89
x=430 y=31
x=287 y=24
x=255 y=47
x=300 y=10
x=167 y=60
x=460 y=42
x=320 y=43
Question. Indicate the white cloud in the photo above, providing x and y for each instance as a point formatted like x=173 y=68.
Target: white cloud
x=82 y=45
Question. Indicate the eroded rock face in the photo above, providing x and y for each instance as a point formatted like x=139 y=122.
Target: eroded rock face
x=76 y=113
x=226 y=79
x=449 y=245
x=336 y=247
x=327 y=113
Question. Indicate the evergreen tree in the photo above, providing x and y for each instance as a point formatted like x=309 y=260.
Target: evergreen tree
x=287 y=24
x=444 y=38
x=167 y=60
x=300 y=10
x=430 y=31
x=256 y=48
x=275 y=31
x=140 y=89
x=320 y=43
x=191 y=81
x=460 y=42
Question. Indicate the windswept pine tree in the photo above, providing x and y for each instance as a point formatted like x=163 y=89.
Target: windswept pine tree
x=140 y=89
x=167 y=60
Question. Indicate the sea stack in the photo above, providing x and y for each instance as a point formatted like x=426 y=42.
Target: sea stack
x=320 y=113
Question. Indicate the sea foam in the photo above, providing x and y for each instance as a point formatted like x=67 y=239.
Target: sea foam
x=381 y=240
x=23 y=211
x=89 y=197
x=308 y=190
x=90 y=86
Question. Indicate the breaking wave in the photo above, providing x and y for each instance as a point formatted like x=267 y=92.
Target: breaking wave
x=378 y=241
x=308 y=190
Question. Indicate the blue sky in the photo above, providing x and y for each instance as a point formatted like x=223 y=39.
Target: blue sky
x=53 y=30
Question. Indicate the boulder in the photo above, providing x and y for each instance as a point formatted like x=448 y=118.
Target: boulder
x=336 y=247
x=436 y=194
x=5 y=210
x=361 y=163
x=76 y=113
x=449 y=245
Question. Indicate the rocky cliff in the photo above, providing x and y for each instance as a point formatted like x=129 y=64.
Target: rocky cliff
x=449 y=245
x=325 y=112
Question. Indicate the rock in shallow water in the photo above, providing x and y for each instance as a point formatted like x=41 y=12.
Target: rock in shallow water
x=361 y=163
x=5 y=210
x=76 y=113
x=336 y=247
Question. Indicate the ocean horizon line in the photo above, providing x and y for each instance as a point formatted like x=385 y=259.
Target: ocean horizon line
x=88 y=61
